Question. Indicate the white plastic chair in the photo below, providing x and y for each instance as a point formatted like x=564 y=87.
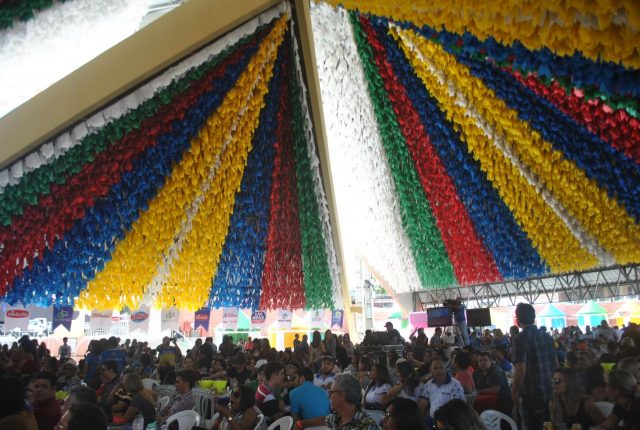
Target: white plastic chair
x=204 y=405
x=163 y=402
x=166 y=391
x=492 y=420
x=261 y=424
x=375 y=415
x=186 y=419
x=283 y=423
x=605 y=407
x=149 y=384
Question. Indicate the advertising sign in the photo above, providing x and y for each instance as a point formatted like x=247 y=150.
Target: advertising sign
x=230 y=318
x=336 y=319
x=201 y=319
x=317 y=319
x=16 y=317
x=100 y=320
x=139 y=320
x=62 y=316
x=169 y=319
x=285 y=316
x=257 y=319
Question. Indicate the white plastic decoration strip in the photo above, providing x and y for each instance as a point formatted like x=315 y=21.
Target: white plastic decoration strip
x=366 y=197
x=53 y=149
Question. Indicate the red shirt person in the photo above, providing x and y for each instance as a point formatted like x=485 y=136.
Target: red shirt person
x=46 y=407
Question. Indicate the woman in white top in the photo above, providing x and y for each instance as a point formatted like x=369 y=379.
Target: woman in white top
x=376 y=393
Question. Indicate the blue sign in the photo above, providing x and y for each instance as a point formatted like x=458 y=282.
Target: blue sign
x=336 y=318
x=62 y=315
x=258 y=317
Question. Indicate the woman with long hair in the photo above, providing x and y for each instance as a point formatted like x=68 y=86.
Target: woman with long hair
x=375 y=395
x=242 y=414
x=456 y=414
x=403 y=414
x=91 y=371
x=622 y=392
x=408 y=385
x=316 y=350
x=142 y=400
x=569 y=404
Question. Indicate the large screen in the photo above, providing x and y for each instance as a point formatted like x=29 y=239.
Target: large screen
x=438 y=317
x=478 y=317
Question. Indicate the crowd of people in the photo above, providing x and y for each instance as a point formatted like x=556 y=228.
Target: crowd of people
x=445 y=381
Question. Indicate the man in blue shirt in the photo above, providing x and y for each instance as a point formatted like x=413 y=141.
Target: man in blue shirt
x=307 y=400
x=459 y=313
x=534 y=360
x=114 y=353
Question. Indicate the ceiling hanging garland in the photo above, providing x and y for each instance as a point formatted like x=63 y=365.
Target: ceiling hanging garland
x=537 y=166
x=178 y=153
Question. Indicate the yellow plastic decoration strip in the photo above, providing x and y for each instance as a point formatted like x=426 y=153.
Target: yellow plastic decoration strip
x=136 y=259
x=189 y=281
x=602 y=217
x=551 y=237
x=600 y=29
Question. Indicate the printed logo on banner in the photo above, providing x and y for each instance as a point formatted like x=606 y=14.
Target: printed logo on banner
x=140 y=320
x=336 y=318
x=285 y=316
x=201 y=318
x=16 y=317
x=62 y=316
x=317 y=318
x=169 y=319
x=258 y=317
x=101 y=321
x=230 y=318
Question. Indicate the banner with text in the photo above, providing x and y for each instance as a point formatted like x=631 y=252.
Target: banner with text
x=317 y=319
x=169 y=319
x=140 y=320
x=16 y=317
x=201 y=319
x=257 y=319
x=285 y=316
x=336 y=319
x=100 y=320
x=62 y=316
x=230 y=318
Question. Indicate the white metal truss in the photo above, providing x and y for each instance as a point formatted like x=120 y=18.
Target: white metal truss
x=598 y=284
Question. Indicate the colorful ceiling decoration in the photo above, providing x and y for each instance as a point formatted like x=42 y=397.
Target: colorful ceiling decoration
x=201 y=187
x=492 y=161
x=22 y=10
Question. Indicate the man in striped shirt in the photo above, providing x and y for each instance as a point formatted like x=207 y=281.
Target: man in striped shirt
x=267 y=398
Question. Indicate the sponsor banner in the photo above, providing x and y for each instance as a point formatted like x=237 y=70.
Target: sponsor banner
x=169 y=319
x=100 y=320
x=139 y=319
x=201 y=319
x=62 y=316
x=16 y=317
x=336 y=319
x=230 y=318
x=285 y=316
x=257 y=319
x=316 y=319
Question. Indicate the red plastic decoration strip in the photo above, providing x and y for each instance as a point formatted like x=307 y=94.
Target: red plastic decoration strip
x=618 y=128
x=471 y=261
x=282 y=278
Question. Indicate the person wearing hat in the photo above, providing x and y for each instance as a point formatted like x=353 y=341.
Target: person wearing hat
x=325 y=377
x=393 y=334
x=68 y=377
